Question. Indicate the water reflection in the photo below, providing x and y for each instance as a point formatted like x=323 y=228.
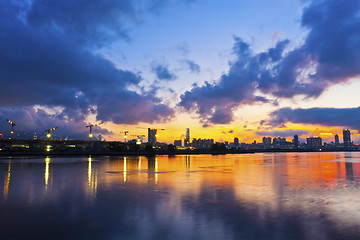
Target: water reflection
x=255 y=196
x=7 y=181
x=124 y=171
x=46 y=175
x=92 y=179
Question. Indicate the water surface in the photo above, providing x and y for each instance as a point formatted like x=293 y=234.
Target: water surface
x=249 y=196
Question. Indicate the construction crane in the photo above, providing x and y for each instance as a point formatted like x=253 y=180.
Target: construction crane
x=12 y=127
x=91 y=126
x=48 y=135
x=125 y=135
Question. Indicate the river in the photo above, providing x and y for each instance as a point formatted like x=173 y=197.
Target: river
x=240 y=196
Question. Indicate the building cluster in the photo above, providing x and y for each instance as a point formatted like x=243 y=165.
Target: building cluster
x=195 y=143
x=312 y=143
x=268 y=143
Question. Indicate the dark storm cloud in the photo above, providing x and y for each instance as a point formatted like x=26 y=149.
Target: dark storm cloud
x=346 y=117
x=48 y=59
x=163 y=73
x=89 y=21
x=195 y=68
x=282 y=133
x=329 y=55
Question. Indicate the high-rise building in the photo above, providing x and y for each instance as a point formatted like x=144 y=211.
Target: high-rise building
x=279 y=142
x=337 y=143
x=202 y=143
x=177 y=143
x=314 y=142
x=296 y=141
x=266 y=142
x=152 y=135
x=347 y=139
x=236 y=142
x=187 y=139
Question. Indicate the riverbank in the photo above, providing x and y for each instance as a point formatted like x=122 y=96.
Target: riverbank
x=143 y=153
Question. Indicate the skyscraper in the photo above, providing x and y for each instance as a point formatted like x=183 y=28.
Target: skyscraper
x=177 y=143
x=314 y=142
x=296 y=141
x=236 y=142
x=266 y=142
x=152 y=135
x=337 y=143
x=346 y=137
x=187 y=139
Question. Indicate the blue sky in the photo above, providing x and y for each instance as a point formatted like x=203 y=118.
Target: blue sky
x=215 y=66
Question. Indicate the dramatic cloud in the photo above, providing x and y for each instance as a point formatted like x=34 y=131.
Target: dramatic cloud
x=48 y=59
x=195 y=68
x=162 y=72
x=329 y=55
x=344 y=117
x=92 y=22
x=282 y=133
x=31 y=122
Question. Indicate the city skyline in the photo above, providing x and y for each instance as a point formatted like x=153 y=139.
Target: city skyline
x=243 y=70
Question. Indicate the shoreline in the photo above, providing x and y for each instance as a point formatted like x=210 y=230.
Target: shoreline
x=192 y=152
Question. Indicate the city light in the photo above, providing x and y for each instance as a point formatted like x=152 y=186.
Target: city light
x=12 y=127
x=48 y=135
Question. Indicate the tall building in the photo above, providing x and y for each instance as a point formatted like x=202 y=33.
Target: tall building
x=347 y=140
x=296 y=141
x=177 y=143
x=337 y=143
x=266 y=142
x=279 y=142
x=202 y=143
x=236 y=142
x=314 y=142
x=152 y=135
x=187 y=139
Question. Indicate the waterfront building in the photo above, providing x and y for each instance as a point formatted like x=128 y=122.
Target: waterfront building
x=347 y=139
x=266 y=142
x=337 y=142
x=279 y=142
x=177 y=143
x=236 y=142
x=314 y=142
x=187 y=139
x=202 y=143
x=152 y=135
x=296 y=142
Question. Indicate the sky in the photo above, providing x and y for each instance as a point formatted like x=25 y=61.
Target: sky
x=224 y=69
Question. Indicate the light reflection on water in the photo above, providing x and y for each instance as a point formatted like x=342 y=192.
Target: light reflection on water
x=252 y=196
